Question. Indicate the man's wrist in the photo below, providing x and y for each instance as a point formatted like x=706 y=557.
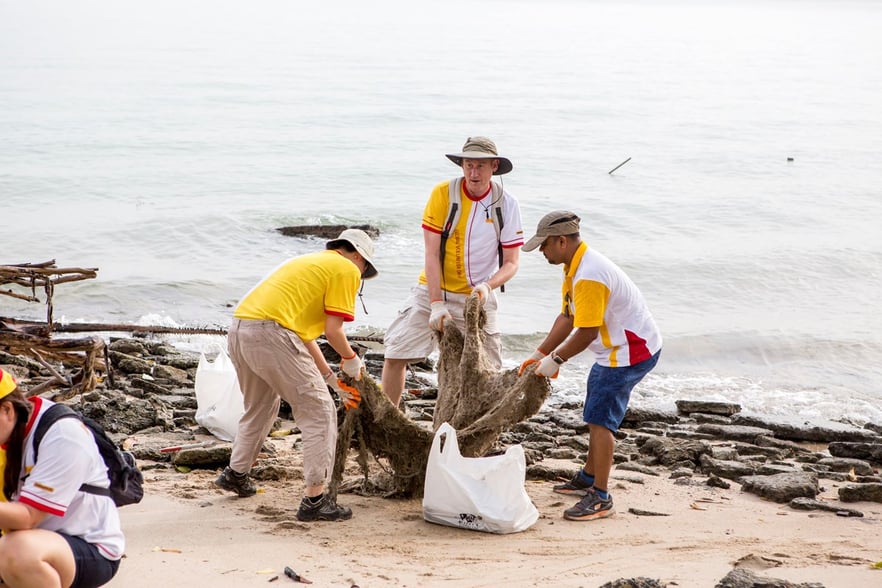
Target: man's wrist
x=557 y=358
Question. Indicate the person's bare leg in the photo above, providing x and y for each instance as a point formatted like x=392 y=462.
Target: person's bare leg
x=38 y=558
x=600 y=455
x=394 y=371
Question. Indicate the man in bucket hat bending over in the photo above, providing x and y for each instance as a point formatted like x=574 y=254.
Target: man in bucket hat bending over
x=602 y=311
x=272 y=343
x=472 y=233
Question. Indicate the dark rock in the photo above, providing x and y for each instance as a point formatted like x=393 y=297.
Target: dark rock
x=203 y=457
x=561 y=453
x=724 y=452
x=867 y=451
x=744 y=578
x=122 y=414
x=569 y=421
x=639 y=415
x=861 y=493
x=717 y=482
x=726 y=468
x=795 y=429
x=772 y=469
x=843 y=464
x=182 y=362
x=810 y=504
x=577 y=442
x=128 y=347
x=148 y=386
x=129 y=364
x=782 y=487
x=789 y=447
x=326 y=232
x=715 y=419
x=734 y=432
x=669 y=451
x=640 y=582
x=633 y=467
x=647 y=513
x=176 y=402
x=709 y=407
x=679 y=434
x=546 y=472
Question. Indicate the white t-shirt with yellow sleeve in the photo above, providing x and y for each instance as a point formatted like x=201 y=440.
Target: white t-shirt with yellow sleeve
x=471 y=255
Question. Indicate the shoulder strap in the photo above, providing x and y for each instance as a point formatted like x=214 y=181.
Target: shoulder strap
x=498 y=222
x=53 y=414
x=454 y=210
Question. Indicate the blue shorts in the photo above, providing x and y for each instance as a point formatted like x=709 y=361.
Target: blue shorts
x=93 y=569
x=609 y=390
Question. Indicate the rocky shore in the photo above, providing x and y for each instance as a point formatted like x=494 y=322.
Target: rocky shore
x=149 y=404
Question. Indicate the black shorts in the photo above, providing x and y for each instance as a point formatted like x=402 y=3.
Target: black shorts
x=93 y=569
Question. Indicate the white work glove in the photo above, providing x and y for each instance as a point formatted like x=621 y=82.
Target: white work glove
x=349 y=396
x=352 y=366
x=547 y=367
x=439 y=315
x=535 y=358
x=483 y=291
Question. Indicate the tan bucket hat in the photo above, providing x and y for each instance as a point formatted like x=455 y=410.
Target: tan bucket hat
x=362 y=243
x=481 y=148
x=553 y=224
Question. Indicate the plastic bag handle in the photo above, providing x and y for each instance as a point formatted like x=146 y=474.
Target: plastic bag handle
x=451 y=445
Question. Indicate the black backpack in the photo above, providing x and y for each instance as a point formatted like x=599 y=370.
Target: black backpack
x=126 y=481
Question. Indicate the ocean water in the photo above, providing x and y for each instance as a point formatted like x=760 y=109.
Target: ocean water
x=164 y=142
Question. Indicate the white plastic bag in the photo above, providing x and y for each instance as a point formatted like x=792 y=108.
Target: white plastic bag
x=219 y=403
x=478 y=493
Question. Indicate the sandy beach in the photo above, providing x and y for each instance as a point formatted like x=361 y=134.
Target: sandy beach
x=187 y=533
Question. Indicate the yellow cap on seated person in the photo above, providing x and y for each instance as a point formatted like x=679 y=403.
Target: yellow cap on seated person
x=7 y=383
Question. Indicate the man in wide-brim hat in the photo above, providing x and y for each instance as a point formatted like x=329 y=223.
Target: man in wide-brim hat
x=472 y=233
x=272 y=344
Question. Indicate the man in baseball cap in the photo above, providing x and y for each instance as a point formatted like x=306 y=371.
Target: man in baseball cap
x=553 y=224
x=603 y=311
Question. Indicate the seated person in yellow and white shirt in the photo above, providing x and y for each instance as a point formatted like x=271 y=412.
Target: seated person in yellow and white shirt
x=54 y=534
x=466 y=260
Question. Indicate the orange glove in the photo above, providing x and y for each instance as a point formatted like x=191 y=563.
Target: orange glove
x=349 y=396
x=537 y=355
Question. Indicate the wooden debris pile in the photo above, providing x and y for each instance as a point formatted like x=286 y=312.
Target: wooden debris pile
x=477 y=400
x=85 y=355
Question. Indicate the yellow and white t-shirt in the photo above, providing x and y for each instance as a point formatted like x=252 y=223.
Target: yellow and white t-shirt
x=597 y=293
x=69 y=458
x=302 y=291
x=471 y=255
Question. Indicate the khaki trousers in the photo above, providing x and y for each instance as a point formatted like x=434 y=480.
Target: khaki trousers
x=272 y=363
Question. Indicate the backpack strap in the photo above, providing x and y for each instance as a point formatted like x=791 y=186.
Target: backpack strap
x=53 y=414
x=498 y=222
x=454 y=210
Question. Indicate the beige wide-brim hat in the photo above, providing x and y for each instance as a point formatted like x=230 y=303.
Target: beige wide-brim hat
x=363 y=244
x=553 y=224
x=481 y=148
